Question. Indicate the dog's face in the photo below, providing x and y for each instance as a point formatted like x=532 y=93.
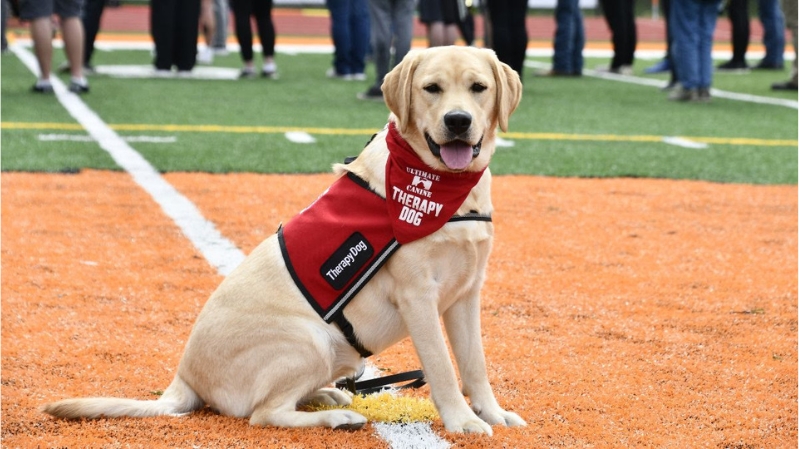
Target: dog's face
x=448 y=103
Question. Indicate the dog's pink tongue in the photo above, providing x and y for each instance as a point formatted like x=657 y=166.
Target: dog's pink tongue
x=456 y=155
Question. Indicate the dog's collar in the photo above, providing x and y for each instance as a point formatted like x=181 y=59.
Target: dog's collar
x=421 y=199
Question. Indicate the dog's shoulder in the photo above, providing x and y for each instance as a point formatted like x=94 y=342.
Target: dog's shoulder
x=370 y=165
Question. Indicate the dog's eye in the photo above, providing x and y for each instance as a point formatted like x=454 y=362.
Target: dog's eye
x=433 y=88
x=477 y=88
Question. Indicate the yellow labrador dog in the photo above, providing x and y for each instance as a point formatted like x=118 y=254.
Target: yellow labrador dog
x=260 y=347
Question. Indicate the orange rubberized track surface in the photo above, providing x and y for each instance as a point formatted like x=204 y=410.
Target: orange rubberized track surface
x=617 y=312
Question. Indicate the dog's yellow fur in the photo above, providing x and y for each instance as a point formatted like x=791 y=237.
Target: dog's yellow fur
x=258 y=349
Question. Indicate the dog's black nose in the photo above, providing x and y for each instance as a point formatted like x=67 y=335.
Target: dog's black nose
x=458 y=122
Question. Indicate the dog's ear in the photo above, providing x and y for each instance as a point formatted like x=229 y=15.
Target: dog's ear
x=509 y=91
x=397 y=89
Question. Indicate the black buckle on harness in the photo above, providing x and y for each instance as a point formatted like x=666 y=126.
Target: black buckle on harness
x=379 y=384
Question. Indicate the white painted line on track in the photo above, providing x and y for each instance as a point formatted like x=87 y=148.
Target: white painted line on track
x=660 y=83
x=82 y=138
x=410 y=436
x=220 y=252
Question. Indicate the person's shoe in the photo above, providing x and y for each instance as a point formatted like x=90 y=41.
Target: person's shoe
x=625 y=70
x=247 y=72
x=269 y=70
x=784 y=85
x=88 y=69
x=680 y=93
x=205 y=56
x=63 y=68
x=42 y=88
x=358 y=77
x=703 y=95
x=374 y=93
x=332 y=73
x=669 y=87
x=664 y=65
x=763 y=65
x=162 y=73
x=733 y=66
x=78 y=88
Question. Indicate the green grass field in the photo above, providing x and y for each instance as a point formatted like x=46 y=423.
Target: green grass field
x=585 y=127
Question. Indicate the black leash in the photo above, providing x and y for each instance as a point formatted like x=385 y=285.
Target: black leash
x=379 y=384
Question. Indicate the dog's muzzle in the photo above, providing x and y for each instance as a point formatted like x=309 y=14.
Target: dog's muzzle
x=456 y=153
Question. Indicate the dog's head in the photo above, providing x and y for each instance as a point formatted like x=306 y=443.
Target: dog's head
x=448 y=103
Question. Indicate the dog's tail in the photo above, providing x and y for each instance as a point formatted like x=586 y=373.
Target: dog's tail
x=177 y=400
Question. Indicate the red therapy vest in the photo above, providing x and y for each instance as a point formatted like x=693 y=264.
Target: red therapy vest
x=333 y=247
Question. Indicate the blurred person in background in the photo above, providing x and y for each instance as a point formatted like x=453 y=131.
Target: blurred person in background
x=567 y=59
x=620 y=16
x=243 y=10
x=205 y=55
x=441 y=18
x=509 y=31
x=692 y=25
x=349 y=28
x=773 y=35
x=39 y=13
x=173 y=25
x=789 y=10
x=391 y=23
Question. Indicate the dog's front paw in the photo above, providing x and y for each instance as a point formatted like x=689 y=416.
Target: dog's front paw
x=346 y=420
x=467 y=423
x=502 y=417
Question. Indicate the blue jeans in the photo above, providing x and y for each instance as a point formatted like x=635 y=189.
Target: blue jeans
x=692 y=23
x=773 y=30
x=569 y=37
x=349 y=27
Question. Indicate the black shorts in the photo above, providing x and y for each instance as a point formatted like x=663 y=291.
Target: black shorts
x=447 y=11
x=36 y=9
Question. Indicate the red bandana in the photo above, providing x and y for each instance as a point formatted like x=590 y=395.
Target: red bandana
x=420 y=200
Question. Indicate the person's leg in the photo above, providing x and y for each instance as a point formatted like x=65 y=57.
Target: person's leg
x=359 y=33
x=242 y=10
x=187 y=32
x=739 y=19
x=340 y=33
x=402 y=13
x=72 y=31
x=381 y=35
x=266 y=33
x=707 y=15
x=162 y=28
x=629 y=40
x=773 y=33
x=4 y=8
x=578 y=37
x=92 y=13
x=41 y=29
x=562 y=42
x=611 y=10
x=519 y=37
x=684 y=23
x=221 y=17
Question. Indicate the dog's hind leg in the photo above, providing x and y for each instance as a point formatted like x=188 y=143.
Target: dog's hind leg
x=288 y=416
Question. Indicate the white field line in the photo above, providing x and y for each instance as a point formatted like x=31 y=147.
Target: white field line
x=218 y=250
x=685 y=143
x=80 y=138
x=659 y=83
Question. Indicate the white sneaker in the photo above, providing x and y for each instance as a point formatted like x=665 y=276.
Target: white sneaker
x=205 y=56
x=269 y=70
